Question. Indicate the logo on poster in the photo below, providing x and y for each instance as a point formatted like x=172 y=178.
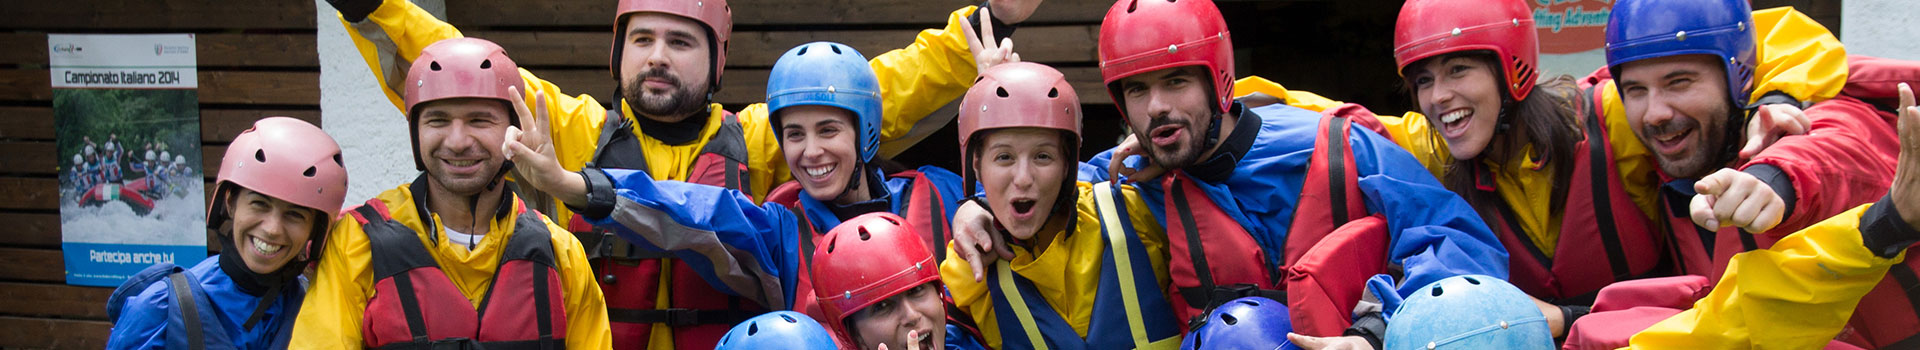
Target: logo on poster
x=1571 y=26
x=159 y=49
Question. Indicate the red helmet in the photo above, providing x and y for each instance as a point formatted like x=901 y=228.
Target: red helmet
x=1429 y=28
x=460 y=68
x=1012 y=95
x=284 y=158
x=867 y=259
x=717 y=16
x=1144 y=36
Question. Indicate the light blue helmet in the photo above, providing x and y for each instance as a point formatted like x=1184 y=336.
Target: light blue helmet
x=1245 y=323
x=777 y=330
x=1468 y=312
x=1643 y=29
x=829 y=74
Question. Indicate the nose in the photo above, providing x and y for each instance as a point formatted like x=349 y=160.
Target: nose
x=1023 y=174
x=1659 y=109
x=273 y=225
x=656 y=56
x=1439 y=95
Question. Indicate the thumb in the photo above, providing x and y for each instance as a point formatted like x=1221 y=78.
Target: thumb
x=1711 y=185
x=1701 y=211
x=513 y=138
x=1305 y=342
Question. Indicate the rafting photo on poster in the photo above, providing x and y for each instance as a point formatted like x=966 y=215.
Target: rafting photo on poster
x=127 y=119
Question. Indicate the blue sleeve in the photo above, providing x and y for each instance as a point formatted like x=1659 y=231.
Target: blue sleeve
x=1094 y=170
x=738 y=247
x=1435 y=233
x=143 y=320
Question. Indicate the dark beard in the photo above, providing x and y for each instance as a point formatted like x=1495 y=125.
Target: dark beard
x=685 y=100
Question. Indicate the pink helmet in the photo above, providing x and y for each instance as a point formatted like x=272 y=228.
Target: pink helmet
x=284 y=158
x=871 y=257
x=1140 y=36
x=1012 y=95
x=1504 y=28
x=715 y=14
x=460 y=68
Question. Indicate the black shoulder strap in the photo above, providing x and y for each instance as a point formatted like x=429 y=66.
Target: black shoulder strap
x=807 y=235
x=184 y=303
x=730 y=143
x=1598 y=162
x=613 y=124
x=1904 y=275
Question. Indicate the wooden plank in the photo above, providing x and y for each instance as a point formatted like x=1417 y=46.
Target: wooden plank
x=37 y=265
x=38 y=333
x=214 y=49
x=54 y=300
x=26 y=123
x=217 y=126
x=39 y=158
x=29 y=193
x=1070 y=43
x=157 y=14
x=491 y=13
x=250 y=87
x=31 y=230
x=748 y=86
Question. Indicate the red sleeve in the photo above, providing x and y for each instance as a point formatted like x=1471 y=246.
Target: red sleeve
x=1846 y=160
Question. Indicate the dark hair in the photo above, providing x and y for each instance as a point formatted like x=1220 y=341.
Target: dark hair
x=1549 y=120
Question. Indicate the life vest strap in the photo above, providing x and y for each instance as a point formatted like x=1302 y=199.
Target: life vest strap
x=1910 y=283
x=183 y=300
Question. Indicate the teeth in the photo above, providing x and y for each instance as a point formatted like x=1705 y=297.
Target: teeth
x=819 y=171
x=1449 y=118
x=923 y=336
x=265 y=248
x=463 y=162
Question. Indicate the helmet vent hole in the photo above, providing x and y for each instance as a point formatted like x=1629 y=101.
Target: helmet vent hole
x=1249 y=303
x=1437 y=291
x=336 y=160
x=486 y=64
x=1002 y=91
x=831 y=245
x=753 y=328
x=1229 y=319
x=309 y=172
x=1471 y=280
x=1132 y=5
x=802 y=52
x=836 y=49
x=891 y=220
x=976 y=80
x=435 y=66
x=864 y=235
x=1053 y=93
x=260 y=155
x=789 y=319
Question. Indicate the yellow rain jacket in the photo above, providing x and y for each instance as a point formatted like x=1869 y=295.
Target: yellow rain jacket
x=1066 y=273
x=1796 y=295
x=336 y=302
x=914 y=82
x=1797 y=55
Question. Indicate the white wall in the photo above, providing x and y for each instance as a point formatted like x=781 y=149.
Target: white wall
x=371 y=131
x=1883 y=28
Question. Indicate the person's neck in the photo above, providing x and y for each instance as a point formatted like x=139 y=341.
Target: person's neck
x=858 y=193
x=1056 y=224
x=457 y=211
x=1227 y=123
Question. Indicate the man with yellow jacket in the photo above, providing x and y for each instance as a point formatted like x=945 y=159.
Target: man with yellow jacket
x=668 y=57
x=454 y=258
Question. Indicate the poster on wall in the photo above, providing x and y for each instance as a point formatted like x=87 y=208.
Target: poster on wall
x=1572 y=35
x=127 y=120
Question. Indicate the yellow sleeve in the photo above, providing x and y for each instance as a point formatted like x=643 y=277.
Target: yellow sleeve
x=763 y=151
x=1410 y=131
x=1796 y=295
x=923 y=77
x=971 y=296
x=1797 y=56
x=1297 y=98
x=391 y=37
x=337 y=298
x=586 y=308
x=1638 y=172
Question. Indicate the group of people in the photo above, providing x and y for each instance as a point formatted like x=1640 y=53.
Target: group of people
x=110 y=162
x=1731 y=179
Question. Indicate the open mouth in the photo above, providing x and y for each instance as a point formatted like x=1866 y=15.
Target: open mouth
x=925 y=339
x=1023 y=206
x=819 y=171
x=1166 y=135
x=1672 y=142
x=1455 y=122
x=263 y=248
x=463 y=163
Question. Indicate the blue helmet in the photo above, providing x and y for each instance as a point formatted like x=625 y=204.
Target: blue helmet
x=1468 y=312
x=777 y=330
x=1245 y=323
x=828 y=74
x=1643 y=29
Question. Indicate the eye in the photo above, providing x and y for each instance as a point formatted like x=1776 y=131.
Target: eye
x=258 y=204
x=1133 y=89
x=794 y=135
x=1458 y=68
x=1680 y=84
x=1003 y=158
x=1635 y=91
x=1178 y=82
x=642 y=40
x=297 y=215
x=829 y=132
x=681 y=43
x=1422 y=81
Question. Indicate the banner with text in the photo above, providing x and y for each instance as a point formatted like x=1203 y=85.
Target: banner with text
x=127 y=119
x=1572 y=35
